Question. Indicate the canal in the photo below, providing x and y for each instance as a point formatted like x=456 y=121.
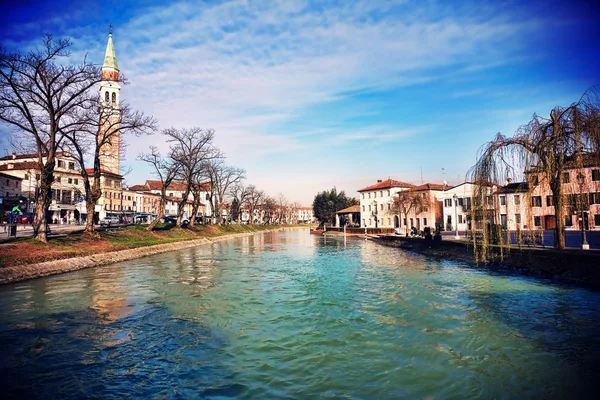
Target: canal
x=290 y=315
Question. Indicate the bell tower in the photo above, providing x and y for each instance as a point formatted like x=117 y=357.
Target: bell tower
x=110 y=112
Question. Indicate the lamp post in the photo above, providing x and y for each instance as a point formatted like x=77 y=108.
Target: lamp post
x=584 y=243
x=455 y=197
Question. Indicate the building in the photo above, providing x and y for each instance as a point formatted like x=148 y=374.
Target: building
x=427 y=212
x=581 y=188
x=304 y=215
x=512 y=205
x=376 y=203
x=110 y=204
x=66 y=190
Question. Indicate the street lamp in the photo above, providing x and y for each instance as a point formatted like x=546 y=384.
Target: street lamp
x=584 y=243
x=455 y=197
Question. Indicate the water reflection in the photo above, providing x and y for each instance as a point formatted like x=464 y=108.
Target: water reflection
x=299 y=316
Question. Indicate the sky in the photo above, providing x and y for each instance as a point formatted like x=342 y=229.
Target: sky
x=307 y=95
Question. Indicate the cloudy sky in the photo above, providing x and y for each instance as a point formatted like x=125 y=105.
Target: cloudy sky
x=307 y=95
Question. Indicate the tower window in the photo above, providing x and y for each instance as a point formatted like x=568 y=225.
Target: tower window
x=106 y=97
x=114 y=97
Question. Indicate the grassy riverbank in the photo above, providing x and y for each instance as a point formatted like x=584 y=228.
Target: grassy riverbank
x=28 y=251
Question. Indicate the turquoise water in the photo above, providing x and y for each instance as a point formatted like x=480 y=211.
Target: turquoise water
x=290 y=315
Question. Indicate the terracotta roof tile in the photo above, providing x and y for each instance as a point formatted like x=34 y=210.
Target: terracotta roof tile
x=19 y=166
x=351 y=209
x=387 y=184
x=431 y=186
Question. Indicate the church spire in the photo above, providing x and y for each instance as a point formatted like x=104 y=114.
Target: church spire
x=110 y=58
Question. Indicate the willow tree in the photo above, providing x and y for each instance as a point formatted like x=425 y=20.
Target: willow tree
x=545 y=148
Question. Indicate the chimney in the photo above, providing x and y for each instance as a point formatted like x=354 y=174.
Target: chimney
x=508 y=181
x=378 y=180
x=14 y=155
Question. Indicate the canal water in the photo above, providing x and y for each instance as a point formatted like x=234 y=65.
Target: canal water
x=290 y=315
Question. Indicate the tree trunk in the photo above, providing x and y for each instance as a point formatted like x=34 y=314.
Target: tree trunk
x=43 y=201
x=161 y=213
x=90 y=206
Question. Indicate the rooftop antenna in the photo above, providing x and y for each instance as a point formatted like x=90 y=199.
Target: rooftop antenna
x=110 y=27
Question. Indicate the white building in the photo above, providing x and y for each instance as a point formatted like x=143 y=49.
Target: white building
x=376 y=203
x=457 y=206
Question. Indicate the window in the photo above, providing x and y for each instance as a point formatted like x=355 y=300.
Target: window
x=26 y=176
x=424 y=194
x=411 y=223
x=369 y=210
x=61 y=164
x=381 y=193
x=460 y=201
x=424 y=221
x=71 y=165
x=106 y=97
x=517 y=218
x=535 y=180
x=595 y=198
x=537 y=221
x=596 y=175
x=369 y=197
x=597 y=219
x=536 y=201
x=58 y=179
x=70 y=180
x=503 y=221
x=364 y=220
x=114 y=97
x=447 y=202
x=565 y=177
x=381 y=207
x=207 y=196
x=517 y=200
x=549 y=201
x=503 y=201
x=76 y=181
x=389 y=191
x=363 y=208
x=568 y=220
x=460 y=218
x=363 y=195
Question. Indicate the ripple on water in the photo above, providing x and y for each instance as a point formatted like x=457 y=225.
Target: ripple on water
x=296 y=316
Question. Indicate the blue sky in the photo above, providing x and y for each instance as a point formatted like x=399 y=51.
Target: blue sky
x=307 y=95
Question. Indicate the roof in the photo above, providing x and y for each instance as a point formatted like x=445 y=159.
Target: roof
x=514 y=187
x=11 y=177
x=110 y=58
x=19 y=166
x=90 y=171
x=351 y=209
x=138 y=188
x=177 y=186
x=387 y=184
x=15 y=156
x=431 y=186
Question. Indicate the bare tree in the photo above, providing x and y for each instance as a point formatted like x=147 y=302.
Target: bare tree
x=269 y=209
x=407 y=202
x=39 y=97
x=253 y=200
x=239 y=193
x=222 y=177
x=166 y=170
x=101 y=124
x=192 y=148
x=294 y=207
x=282 y=208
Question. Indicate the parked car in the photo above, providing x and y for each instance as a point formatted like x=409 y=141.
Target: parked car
x=108 y=221
x=25 y=218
